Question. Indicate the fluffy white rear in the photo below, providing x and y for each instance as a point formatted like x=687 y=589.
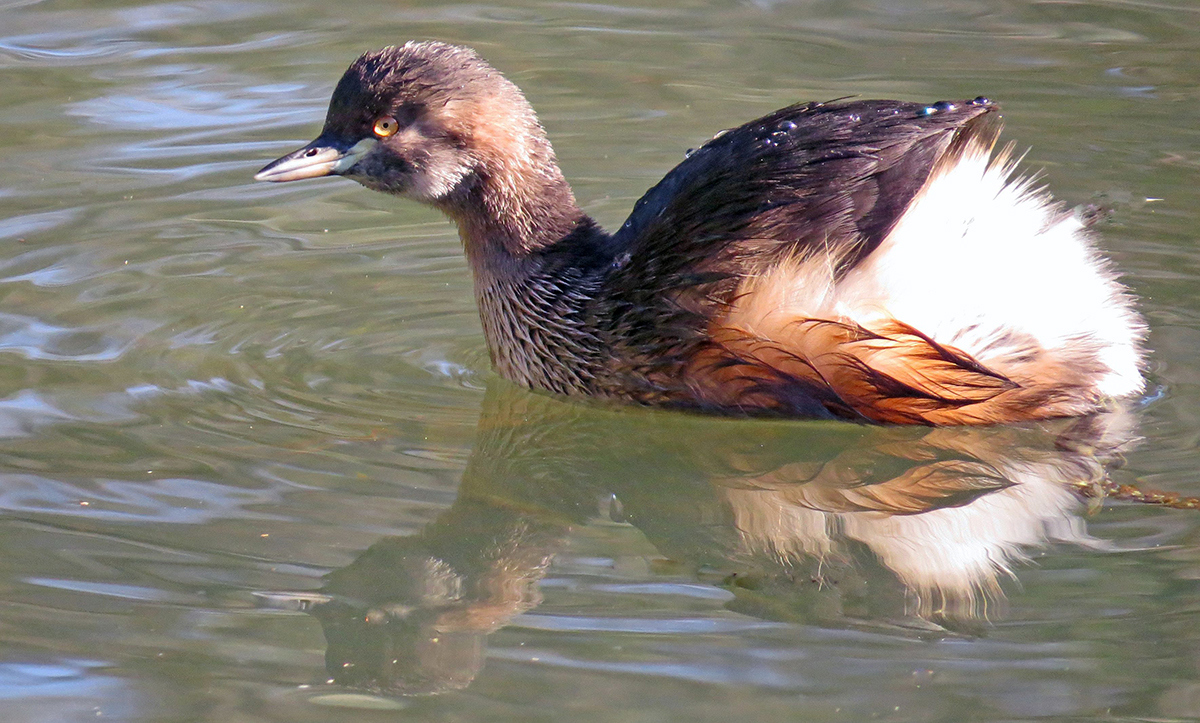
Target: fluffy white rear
x=982 y=262
x=982 y=259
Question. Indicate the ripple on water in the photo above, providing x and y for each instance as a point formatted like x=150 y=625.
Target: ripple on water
x=31 y=223
x=37 y=688
x=170 y=500
x=36 y=340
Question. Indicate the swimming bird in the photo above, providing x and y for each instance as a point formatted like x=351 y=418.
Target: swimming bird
x=872 y=260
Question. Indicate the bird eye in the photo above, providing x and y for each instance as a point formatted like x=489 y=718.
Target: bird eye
x=385 y=126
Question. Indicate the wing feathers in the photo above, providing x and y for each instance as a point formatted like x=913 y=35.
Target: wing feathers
x=888 y=374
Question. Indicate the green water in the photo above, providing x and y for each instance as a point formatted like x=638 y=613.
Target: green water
x=254 y=465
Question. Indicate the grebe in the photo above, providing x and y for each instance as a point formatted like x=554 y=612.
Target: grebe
x=869 y=260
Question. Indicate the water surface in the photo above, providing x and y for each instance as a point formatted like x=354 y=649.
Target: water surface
x=254 y=465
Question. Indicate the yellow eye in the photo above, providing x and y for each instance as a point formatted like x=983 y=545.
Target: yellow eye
x=385 y=126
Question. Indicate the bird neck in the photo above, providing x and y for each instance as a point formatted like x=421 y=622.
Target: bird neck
x=510 y=213
x=538 y=261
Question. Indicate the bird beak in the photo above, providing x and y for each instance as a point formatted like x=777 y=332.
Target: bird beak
x=322 y=157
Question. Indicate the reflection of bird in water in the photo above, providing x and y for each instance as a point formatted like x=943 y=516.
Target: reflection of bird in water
x=869 y=260
x=411 y=614
x=833 y=524
x=948 y=526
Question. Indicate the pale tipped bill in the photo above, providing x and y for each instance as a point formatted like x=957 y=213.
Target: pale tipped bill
x=322 y=157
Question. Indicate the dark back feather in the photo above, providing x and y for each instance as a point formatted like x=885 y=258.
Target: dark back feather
x=832 y=178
